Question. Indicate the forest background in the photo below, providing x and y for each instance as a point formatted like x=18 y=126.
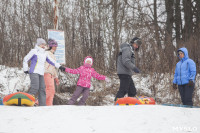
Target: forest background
x=98 y=27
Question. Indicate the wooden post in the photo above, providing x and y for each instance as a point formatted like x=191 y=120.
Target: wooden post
x=55 y=20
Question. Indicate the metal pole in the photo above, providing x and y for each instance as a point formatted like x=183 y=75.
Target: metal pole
x=56 y=2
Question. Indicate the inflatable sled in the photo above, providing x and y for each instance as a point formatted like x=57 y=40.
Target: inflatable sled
x=19 y=99
x=141 y=100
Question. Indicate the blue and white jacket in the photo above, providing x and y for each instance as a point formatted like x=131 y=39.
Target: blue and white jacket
x=185 y=69
x=38 y=56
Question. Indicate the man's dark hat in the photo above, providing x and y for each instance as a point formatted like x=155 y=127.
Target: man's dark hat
x=136 y=40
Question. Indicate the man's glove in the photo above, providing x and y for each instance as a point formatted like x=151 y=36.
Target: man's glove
x=62 y=68
x=26 y=72
x=136 y=70
x=175 y=86
x=191 y=83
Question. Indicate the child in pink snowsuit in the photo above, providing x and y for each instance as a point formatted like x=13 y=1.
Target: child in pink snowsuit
x=86 y=72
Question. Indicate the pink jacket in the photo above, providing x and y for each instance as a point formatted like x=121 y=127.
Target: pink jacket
x=85 y=74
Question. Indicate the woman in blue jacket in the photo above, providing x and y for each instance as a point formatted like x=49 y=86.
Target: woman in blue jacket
x=184 y=76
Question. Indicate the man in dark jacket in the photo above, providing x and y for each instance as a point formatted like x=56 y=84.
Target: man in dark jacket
x=126 y=67
x=184 y=76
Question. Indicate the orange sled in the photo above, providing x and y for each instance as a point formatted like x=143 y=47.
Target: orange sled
x=141 y=100
x=19 y=99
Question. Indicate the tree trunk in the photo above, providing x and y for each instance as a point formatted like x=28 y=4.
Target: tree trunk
x=170 y=19
x=116 y=34
x=197 y=14
x=169 y=47
x=178 y=22
x=157 y=36
x=188 y=28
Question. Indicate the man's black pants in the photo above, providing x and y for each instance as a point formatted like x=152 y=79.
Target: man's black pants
x=126 y=86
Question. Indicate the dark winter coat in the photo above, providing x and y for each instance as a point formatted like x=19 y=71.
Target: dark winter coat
x=185 y=69
x=126 y=60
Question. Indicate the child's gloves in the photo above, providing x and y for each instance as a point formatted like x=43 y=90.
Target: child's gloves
x=62 y=68
x=191 y=83
x=174 y=86
x=107 y=79
x=26 y=72
x=57 y=81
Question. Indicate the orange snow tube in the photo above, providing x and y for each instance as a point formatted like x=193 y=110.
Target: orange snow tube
x=141 y=100
x=19 y=99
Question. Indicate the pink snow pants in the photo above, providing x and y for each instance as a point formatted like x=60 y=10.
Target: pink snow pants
x=50 y=88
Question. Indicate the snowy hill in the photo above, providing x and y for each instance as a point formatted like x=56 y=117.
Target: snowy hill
x=99 y=119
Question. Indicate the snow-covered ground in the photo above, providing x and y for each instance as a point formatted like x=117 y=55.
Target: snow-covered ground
x=99 y=119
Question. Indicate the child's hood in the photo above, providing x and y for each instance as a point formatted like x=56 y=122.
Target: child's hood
x=86 y=58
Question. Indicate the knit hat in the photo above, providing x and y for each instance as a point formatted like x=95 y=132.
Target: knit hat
x=90 y=59
x=40 y=41
x=52 y=43
x=136 y=40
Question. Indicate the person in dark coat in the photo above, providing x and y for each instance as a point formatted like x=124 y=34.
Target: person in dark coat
x=126 y=67
x=184 y=76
